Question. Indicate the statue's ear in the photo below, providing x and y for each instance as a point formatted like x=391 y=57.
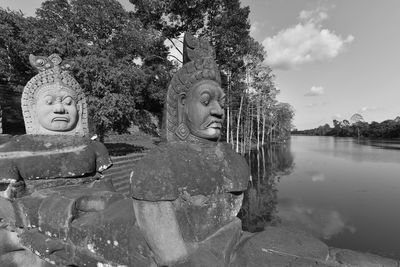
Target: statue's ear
x=33 y=124
x=79 y=107
x=33 y=110
x=181 y=107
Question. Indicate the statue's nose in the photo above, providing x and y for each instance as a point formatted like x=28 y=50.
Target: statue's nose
x=217 y=110
x=58 y=108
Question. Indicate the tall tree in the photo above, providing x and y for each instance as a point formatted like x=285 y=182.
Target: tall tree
x=13 y=39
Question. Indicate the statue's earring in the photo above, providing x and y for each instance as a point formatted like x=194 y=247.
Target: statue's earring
x=182 y=131
x=78 y=127
x=33 y=123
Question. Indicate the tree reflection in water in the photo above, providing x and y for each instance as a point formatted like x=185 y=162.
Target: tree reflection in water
x=267 y=164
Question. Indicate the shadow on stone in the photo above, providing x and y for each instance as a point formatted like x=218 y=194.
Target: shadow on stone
x=121 y=149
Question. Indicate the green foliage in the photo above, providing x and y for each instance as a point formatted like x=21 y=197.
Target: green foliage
x=13 y=39
x=120 y=64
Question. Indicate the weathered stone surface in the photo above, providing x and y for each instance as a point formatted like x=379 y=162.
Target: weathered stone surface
x=4 y=138
x=198 y=222
x=22 y=258
x=173 y=169
x=280 y=246
x=111 y=233
x=23 y=157
x=348 y=257
x=108 y=236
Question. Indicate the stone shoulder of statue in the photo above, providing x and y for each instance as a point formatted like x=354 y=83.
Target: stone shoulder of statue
x=43 y=161
x=180 y=168
x=51 y=157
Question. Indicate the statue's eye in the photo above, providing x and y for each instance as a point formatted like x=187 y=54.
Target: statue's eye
x=205 y=99
x=222 y=102
x=40 y=62
x=67 y=101
x=48 y=100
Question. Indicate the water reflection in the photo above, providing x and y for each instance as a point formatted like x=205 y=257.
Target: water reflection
x=260 y=200
x=316 y=176
x=321 y=223
x=343 y=190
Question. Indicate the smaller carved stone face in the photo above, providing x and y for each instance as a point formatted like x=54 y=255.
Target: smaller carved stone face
x=56 y=109
x=204 y=110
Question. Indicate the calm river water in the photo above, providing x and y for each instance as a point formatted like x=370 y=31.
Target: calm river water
x=344 y=191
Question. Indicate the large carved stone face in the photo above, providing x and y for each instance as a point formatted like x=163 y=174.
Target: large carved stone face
x=204 y=110
x=56 y=110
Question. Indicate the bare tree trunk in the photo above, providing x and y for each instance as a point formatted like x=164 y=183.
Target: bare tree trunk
x=232 y=140
x=238 y=123
x=251 y=130
x=258 y=123
x=228 y=107
x=263 y=130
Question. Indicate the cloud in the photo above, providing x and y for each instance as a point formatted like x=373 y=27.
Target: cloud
x=316 y=16
x=315 y=91
x=316 y=104
x=369 y=109
x=305 y=42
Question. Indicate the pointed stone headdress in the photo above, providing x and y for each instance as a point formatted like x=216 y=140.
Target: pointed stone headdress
x=198 y=65
x=53 y=72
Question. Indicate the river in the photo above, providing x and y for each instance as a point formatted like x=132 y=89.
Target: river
x=342 y=190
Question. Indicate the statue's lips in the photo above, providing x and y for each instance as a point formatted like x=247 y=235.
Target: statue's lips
x=215 y=124
x=60 y=119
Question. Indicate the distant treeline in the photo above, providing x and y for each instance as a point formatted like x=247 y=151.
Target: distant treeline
x=385 y=129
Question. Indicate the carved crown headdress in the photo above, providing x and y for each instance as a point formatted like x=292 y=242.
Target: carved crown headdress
x=198 y=65
x=53 y=72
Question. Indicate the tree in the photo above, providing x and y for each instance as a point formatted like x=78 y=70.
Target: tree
x=119 y=63
x=13 y=38
x=356 y=119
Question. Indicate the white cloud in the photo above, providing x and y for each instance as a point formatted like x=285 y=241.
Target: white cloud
x=316 y=16
x=315 y=91
x=369 y=109
x=305 y=42
x=316 y=104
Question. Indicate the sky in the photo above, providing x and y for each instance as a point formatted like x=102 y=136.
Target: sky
x=331 y=58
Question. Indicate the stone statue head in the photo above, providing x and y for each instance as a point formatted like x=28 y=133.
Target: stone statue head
x=195 y=99
x=52 y=101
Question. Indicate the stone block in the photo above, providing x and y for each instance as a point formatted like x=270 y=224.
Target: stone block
x=354 y=258
x=281 y=246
